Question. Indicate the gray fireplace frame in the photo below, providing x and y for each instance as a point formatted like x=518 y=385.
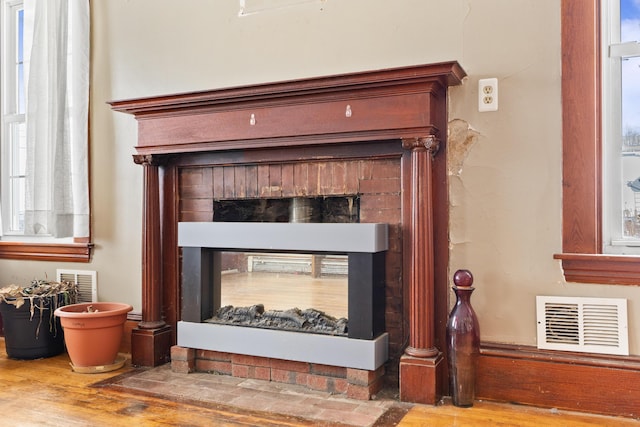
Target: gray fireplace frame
x=365 y=347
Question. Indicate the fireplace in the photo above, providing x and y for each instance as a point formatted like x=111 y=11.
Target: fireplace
x=366 y=344
x=380 y=135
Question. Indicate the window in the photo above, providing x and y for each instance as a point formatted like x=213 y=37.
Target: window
x=44 y=201
x=621 y=126
x=584 y=257
x=13 y=120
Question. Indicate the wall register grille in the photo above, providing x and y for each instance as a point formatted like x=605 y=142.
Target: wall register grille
x=588 y=325
x=86 y=281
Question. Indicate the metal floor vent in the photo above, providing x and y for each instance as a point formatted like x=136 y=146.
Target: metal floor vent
x=588 y=325
x=86 y=281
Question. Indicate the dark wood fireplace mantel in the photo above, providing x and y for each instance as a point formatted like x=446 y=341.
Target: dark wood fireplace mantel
x=330 y=117
x=376 y=105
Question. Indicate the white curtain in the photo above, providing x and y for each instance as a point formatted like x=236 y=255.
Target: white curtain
x=57 y=187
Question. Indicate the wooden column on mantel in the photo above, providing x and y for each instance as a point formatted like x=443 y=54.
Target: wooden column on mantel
x=152 y=337
x=407 y=104
x=421 y=363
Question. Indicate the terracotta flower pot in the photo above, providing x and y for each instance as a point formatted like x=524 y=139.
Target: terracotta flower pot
x=93 y=337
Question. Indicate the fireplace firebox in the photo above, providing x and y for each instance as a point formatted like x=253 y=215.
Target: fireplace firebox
x=364 y=244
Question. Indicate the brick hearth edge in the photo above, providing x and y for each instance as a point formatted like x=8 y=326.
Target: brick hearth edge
x=353 y=383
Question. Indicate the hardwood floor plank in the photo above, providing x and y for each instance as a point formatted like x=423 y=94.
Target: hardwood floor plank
x=503 y=415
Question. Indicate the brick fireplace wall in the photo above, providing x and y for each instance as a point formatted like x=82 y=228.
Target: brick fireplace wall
x=377 y=182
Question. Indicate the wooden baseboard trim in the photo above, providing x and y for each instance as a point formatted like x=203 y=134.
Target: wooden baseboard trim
x=564 y=380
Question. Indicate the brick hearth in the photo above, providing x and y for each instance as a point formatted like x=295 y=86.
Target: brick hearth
x=353 y=383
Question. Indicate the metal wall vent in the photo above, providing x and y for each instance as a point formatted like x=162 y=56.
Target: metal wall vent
x=86 y=281
x=589 y=325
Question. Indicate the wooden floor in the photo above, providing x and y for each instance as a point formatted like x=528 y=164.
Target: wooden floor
x=46 y=392
x=503 y=415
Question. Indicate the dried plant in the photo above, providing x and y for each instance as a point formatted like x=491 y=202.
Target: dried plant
x=42 y=295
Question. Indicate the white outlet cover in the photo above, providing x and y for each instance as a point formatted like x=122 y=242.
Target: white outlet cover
x=488 y=94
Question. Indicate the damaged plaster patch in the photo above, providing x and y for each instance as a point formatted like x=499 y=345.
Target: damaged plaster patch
x=461 y=138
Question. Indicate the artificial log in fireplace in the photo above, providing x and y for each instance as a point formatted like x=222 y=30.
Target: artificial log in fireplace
x=379 y=135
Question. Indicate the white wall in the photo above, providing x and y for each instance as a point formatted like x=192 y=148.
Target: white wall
x=506 y=166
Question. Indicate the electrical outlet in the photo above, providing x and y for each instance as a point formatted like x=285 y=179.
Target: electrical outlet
x=488 y=95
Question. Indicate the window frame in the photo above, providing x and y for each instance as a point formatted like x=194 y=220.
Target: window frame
x=582 y=257
x=11 y=113
x=69 y=250
x=614 y=53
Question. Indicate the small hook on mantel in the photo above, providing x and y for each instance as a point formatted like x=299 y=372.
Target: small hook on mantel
x=347 y=112
x=252 y=119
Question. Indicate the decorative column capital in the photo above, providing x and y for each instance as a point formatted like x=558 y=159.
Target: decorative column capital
x=149 y=159
x=430 y=143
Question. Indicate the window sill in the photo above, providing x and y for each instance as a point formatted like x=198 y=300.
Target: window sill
x=61 y=252
x=602 y=269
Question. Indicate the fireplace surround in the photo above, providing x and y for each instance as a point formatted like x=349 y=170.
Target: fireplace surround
x=379 y=134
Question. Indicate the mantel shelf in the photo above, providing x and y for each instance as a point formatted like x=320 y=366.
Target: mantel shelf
x=376 y=105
